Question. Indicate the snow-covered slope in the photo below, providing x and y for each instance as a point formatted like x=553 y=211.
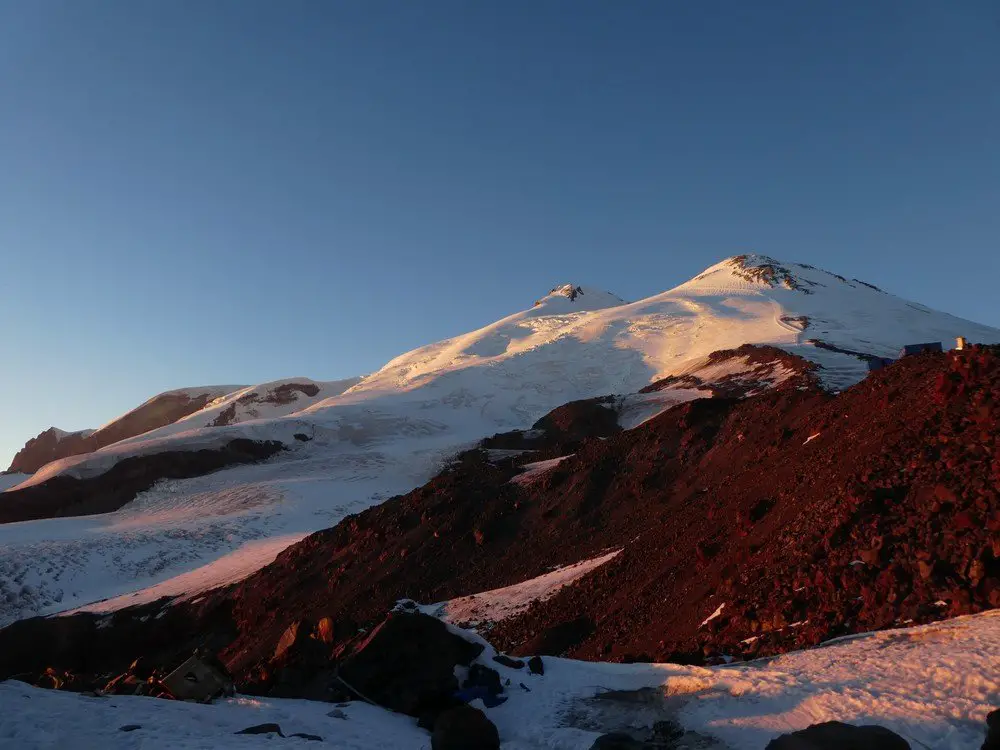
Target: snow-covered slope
x=486 y=608
x=265 y=401
x=158 y=405
x=575 y=343
x=393 y=429
x=618 y=349
x=160 y=410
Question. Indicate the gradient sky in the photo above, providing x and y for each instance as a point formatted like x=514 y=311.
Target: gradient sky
x=236 y=191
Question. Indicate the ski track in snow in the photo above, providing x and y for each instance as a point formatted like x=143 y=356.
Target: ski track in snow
x=932 y=684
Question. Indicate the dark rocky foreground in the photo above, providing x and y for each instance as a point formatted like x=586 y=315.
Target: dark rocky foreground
x=807 y=515
x=63 y=496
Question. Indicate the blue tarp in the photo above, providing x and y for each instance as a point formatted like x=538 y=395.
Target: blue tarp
x=877 y=363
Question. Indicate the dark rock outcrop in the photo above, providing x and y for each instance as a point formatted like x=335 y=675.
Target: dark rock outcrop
x=49 y=445
x=483 y=677
x=563 y=429
x=464 y=728
x=835 y=735
x=67 y=496
x=617 y=741
x=408 y=664
x=509 y=662
x=270 y=728
x=992 y=741
x=281 y=395
x=761 y=368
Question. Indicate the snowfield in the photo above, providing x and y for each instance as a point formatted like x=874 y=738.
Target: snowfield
x=265 y=401
x=205 y=391
x=489 y=607
x=392 y=430
x=933 y=685
x=185 y=536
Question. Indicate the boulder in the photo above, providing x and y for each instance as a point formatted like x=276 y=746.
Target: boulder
x=484 y=684
x=535 y=665
x=560 y=637
x=667 y=731
x=617 y=741
x=199 y=678
x=300 y=664
x=835 y=735
x=484 y=677
x=992 y=731
x=508 y=661
x=464 y=728
x=408 y=664
x=269 y=728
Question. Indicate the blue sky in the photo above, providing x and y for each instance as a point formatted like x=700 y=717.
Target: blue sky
x=236 y=191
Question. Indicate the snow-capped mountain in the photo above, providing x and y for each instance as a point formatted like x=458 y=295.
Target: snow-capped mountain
x=574 y=343
x=355 y=442
x=160 y=410
x=265 y=401
x=49 y=445
x=178 y=411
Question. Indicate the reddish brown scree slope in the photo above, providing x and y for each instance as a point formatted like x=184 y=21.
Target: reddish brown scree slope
x=807 y=515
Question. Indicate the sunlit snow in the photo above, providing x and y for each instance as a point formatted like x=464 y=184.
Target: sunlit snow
x=394 y=429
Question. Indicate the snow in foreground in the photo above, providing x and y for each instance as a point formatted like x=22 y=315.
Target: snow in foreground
x=932 y=684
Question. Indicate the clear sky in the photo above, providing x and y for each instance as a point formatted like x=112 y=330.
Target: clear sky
x=235 y=191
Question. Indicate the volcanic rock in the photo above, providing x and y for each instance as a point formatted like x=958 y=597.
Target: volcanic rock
x=835 y=735
x=464 y=728
x=992 y=731
x=408 y=664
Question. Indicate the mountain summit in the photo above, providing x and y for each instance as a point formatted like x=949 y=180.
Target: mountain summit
x=577 y=342
x=744 y=325
x=582 y=299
